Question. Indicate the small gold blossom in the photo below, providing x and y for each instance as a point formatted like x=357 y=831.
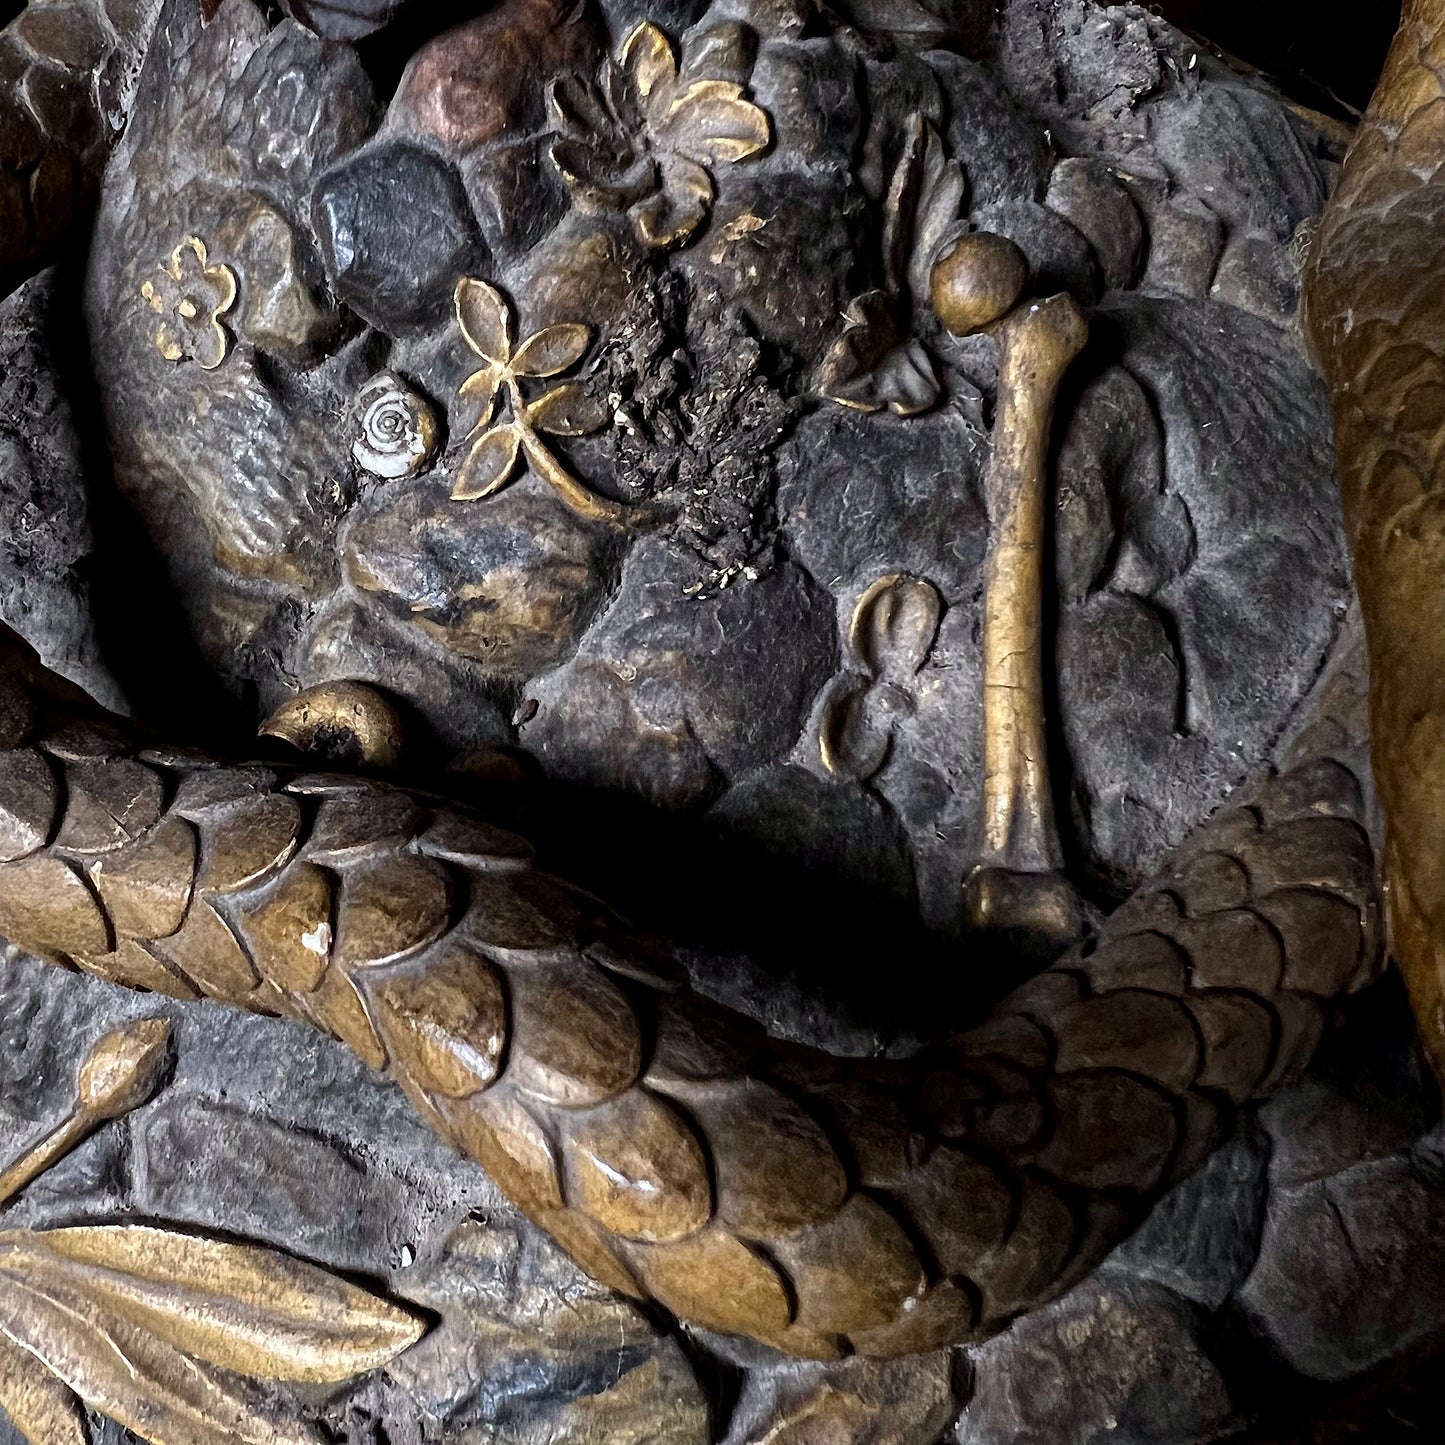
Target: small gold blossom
x=563 y=410
x=190 y=297
x=646 y=137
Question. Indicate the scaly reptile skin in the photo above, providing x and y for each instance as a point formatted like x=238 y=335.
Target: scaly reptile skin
x=818 y=1204
x=1376 y=318
x=64 y=70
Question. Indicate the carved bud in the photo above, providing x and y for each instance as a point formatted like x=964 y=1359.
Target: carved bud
x=124 y=1068
x=977 y=282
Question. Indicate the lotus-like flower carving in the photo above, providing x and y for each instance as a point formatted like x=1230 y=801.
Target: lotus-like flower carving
x=645 y=137
x=499 y=442
x=190 y=296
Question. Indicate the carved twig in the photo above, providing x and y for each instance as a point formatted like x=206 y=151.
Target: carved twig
x=119 y=1074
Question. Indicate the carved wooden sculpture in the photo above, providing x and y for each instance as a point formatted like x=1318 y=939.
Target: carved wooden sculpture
x=1376 y=316
x=819 y=1204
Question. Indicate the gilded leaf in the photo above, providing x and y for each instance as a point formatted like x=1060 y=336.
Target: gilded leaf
x=43 y=1409
x=243 y=1307
x=489 y=464
x=647 y=58
x=138 y=1380
x=716 y=123
x=485 y=319
x=552 y=349
x=894 y=625
x=569 y=410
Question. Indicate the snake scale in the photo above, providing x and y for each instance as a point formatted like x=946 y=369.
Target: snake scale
x=821 y=1205
x=1376 y=320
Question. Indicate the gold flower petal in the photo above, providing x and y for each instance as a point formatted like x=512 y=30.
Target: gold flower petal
x=224 y=280
x=715 y=122
x=211 y=345
x=489 y=464
x=568 y=410
x=480 y=391
x=167 y=345
x=648 y=59
x=485 y=320
x=552 y=349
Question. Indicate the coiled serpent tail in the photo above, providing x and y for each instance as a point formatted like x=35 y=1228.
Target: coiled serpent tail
x=1376 y=318
x=819 y=1204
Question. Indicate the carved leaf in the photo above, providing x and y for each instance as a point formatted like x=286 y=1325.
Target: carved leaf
x=479 y=390
x=936 y=213
x=138 y=1380
x=241 y=1306
x=870 y=367
x=489 y=464
x=485 y=319
x=722 y=52
x=894 y=625
x=854 y=737
x=602 y=177
x=676 y=210
x=715 y=122
x=901 y=200
x=648 y=59
x=552 y=349
x=569 y=410
x=905 y=382
x=42 y=1408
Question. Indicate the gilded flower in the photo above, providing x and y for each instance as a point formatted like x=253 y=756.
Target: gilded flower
x=562 y=410
x=190 y=297
x=645 y=137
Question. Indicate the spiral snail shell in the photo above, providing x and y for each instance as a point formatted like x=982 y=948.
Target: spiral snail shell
x=397 y=430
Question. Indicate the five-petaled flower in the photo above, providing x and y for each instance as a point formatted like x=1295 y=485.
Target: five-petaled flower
x=563 y=410
x=644 y=138
x=190 y=297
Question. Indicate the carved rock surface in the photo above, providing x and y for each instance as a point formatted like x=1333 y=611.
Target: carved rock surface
x=1113 y=1361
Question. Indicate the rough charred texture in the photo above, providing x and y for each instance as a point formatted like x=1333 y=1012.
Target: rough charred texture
x=1376 y=316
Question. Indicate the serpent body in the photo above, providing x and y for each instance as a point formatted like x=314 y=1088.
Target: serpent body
x=1376 y=319
x=64 y=77
x=817 y=1204
x=821 y=1205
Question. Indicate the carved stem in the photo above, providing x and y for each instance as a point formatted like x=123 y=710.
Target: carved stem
x=47 y=1151
x=1037 y=343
